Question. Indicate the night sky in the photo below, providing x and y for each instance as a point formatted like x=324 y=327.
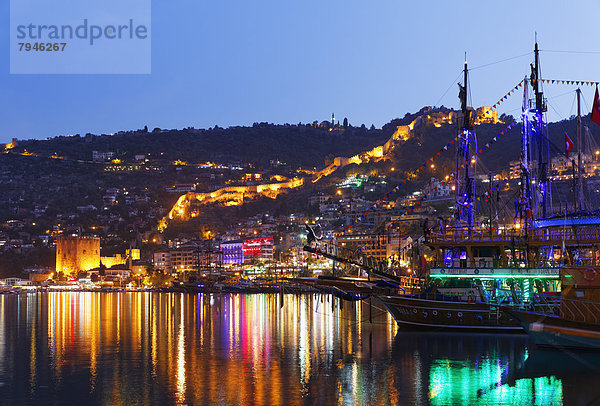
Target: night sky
x=238 y=62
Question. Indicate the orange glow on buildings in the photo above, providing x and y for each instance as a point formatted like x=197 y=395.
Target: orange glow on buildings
x=11 y=144
x=75 y=254
x=227 y=196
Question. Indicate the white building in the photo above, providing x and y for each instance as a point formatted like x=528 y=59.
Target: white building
x=100 y=156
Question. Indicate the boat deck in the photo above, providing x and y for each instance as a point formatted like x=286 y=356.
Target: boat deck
x=535 y=237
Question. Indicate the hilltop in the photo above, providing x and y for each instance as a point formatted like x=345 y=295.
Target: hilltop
x=221 y=176
x=295 y=145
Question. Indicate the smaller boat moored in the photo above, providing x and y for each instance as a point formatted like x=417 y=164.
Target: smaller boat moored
x=576 y=324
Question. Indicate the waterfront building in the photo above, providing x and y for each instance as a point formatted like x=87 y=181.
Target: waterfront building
x=15 y=282
x=232 y=252
x=373 y=245
x=191 y=257
x=260 y=249
x=174 y=260
x=247 y=250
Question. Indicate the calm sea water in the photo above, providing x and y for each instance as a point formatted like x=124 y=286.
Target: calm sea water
x=152 y=348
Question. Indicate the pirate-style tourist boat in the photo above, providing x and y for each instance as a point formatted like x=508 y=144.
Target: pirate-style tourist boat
x=503 y=268
x=478 y=270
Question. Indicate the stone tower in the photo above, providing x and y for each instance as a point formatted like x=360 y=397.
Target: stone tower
x=74 y=254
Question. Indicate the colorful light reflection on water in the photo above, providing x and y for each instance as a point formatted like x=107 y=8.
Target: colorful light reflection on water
x=152 y=348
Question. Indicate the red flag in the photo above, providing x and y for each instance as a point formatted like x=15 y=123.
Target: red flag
x=568 y=145
x=596 y=108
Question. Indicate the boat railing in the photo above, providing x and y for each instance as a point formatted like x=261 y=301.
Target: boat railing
x=569 y=234
x=538 y=302
x=533 y=235
x=495 y=311
x=460 y=235
x=578 y=310
x=544 y=303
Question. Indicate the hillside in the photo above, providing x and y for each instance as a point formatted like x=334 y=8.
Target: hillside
x=296 y=145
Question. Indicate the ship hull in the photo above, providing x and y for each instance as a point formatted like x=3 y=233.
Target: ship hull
x=556 y=332
x=415 y=313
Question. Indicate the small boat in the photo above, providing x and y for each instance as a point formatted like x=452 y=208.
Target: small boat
x=577 y=322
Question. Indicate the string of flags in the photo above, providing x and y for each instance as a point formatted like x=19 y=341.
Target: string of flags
x=395 y=189
x=442 y=182
x=488 y=193
x=503 y=98
x=569 y=82
x=489 y=143
x=452 y=175
x=549 y=81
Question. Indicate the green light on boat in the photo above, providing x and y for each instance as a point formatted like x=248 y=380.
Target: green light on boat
x=531 y=276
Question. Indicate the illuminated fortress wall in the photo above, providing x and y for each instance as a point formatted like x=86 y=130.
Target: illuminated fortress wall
x=227 y=196
x=235 y=195
x=485 y=115
x=404 y=133
x=74 y=254
x=376 y=154
x=113 y=260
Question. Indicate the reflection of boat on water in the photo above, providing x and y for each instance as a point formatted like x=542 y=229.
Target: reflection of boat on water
x=575 y=374
x=578 y=323
x=562 y=364
x=468 y=369
x=486 y=369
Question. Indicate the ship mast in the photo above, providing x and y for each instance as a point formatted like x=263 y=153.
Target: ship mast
x=535 y=200
x=464 y=208
x=525 y=193
x=542 y=196
x=580 y=201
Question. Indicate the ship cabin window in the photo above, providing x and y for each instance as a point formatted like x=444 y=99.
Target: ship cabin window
x=448 y=258
x=579 y=293
x=463 y=259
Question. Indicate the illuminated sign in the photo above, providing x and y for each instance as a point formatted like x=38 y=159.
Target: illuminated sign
x=253 y=247
x=495 y=273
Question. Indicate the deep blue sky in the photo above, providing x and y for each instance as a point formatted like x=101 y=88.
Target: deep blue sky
x=236 y=62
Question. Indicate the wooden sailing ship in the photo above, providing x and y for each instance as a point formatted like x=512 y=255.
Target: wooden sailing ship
x=513 y=268
x=477 y=271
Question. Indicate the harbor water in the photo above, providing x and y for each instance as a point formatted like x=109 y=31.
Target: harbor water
x=172 y=348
